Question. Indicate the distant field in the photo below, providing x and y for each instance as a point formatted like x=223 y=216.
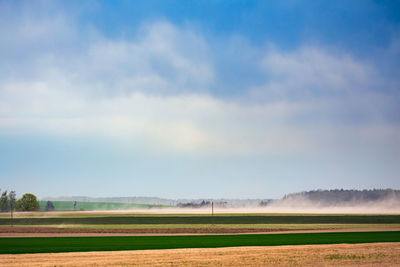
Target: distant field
x=217 y=226
x=205 y=219
x=91 y=206
x=75 y=244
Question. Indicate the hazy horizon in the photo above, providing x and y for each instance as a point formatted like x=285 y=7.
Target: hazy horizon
x=188 y=99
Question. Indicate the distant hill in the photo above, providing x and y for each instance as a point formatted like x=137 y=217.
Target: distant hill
x=340 y=197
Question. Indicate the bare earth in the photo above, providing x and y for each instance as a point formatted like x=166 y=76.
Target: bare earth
x=375 y=254
x=55 y=231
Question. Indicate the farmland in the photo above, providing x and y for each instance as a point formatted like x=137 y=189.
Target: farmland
x=116 y=219
x=82 y=232
x=75 y=244
x=367 y=254
x=80 y=223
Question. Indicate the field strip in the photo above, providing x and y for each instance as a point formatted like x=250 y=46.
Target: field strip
x=76 y=244
x=373 y=254
x=201 y=220
x=93 y=227
x=70 y=232
x=219 y=211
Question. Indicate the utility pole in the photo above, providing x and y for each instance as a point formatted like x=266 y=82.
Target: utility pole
x=212 y=208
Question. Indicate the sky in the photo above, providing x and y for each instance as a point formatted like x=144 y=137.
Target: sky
x=198 y=99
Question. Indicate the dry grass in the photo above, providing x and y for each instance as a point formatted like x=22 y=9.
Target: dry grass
x=376 y=254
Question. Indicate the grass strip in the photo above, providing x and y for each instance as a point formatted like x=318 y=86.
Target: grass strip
x=76 y=244
x=244 y=219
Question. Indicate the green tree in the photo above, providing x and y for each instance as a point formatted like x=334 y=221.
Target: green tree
x=49 y=206
x=28 y=202
x=4 y=205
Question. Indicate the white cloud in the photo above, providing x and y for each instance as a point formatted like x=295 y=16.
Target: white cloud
x=197 y=123
x=313 y=72
x=186 y=123
x=160 y=59
x=153 y=89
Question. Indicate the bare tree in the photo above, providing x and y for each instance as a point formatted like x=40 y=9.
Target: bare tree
x=12 y=202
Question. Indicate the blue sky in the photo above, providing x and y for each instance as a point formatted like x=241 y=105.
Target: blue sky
x=241 y=99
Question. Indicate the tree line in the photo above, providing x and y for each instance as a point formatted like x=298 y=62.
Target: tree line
x=28 y=202
x=339 y=196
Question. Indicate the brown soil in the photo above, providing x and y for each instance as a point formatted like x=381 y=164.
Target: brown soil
x=55 y=231
x=24 y=229
x=375 y=254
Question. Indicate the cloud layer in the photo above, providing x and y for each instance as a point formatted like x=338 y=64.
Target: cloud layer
x=156 y=89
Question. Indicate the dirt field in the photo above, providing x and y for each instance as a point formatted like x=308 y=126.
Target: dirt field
x=376 y=254
x=55 y=231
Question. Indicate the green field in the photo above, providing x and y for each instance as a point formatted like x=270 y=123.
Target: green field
x=89 y=206
x=76 y=244
x=204 y=219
